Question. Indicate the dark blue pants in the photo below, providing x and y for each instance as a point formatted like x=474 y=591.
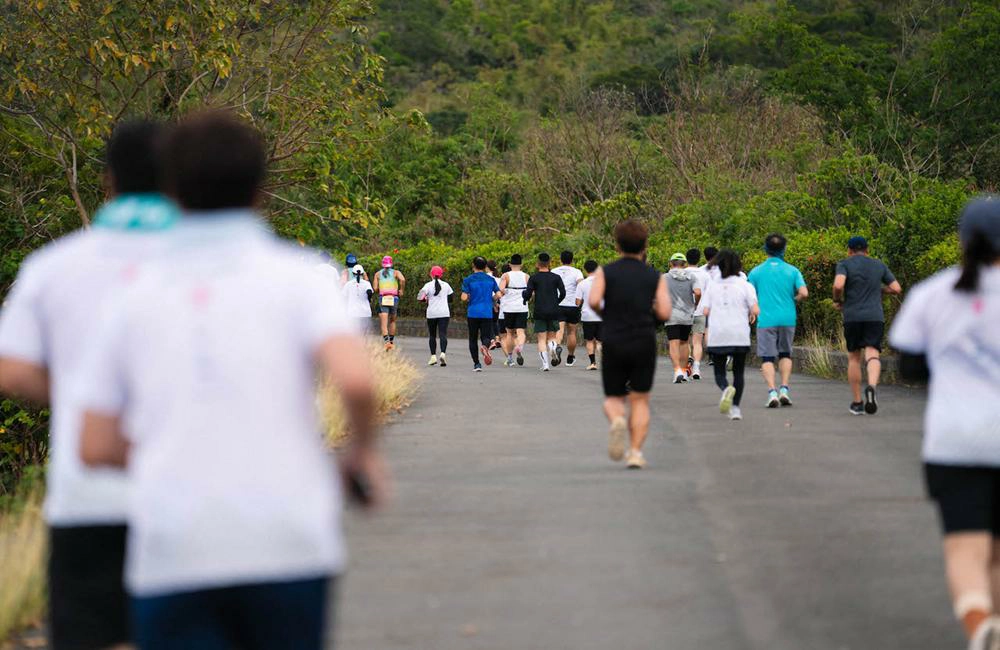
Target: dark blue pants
x=261 y=615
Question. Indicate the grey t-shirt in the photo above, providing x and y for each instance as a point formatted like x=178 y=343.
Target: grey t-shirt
x=681 y=284
x=863 y=292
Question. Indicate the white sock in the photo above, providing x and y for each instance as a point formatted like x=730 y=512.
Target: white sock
x=545 y=358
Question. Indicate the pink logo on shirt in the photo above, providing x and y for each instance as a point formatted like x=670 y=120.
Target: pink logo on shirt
x=130 y=273
x=977 y=305
x=201 y=296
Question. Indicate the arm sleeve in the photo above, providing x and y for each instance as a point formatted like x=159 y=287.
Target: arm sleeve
x=22 y=335
x=529 y=289
x=579 y=292
x=560 y=289
x=841 y=269
x=887 y=276
x=800 y=281
x=465 y=285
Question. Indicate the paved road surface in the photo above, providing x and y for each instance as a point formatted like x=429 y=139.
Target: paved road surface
x=800 y=528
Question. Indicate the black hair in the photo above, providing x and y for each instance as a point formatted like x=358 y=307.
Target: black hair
x=631 y=237
x=357 y=276
x=491 y=265
x=566 y=257
x=710 y=253
x=516 y=259
x=775 y=244
x=505 y=268
x=437 y=286
x=132 y=157
x=977 y=252
x=728 y=262
x=544 y=259
x=214 y=161
x=590 y=266
x=479 y=262
x=693 y=256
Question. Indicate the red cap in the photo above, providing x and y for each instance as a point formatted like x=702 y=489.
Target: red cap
x=436 y=271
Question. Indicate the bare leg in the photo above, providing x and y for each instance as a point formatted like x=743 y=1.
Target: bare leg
x=967 y=559
x=685 y=352
x=785 y=367
x=767 y=370
x=392 y=325
x=383 y=319
x=521 y=338
x=697 y=346
x=675 y=354
x=854 y=373
x=873 y=366
x=614 y=407
x=571 y=338
x=543 y=341
x=638 y=419
x=558 y=336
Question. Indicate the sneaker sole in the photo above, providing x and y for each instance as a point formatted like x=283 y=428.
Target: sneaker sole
x=871 y=405
x=773 y=404
x=853 y=412
x=487 y=357
x=520 y=360
x=634 y=466
x=726 y=403
x=785 y=401
x=616 y=439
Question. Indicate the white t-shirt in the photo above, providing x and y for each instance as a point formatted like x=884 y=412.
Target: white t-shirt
x=587 y=314
x=958 y=332
x=437 y=306
x=49 y=319
x=571 y=276
x=706 y=275
x=730 y=301
x=210 y=361
x=358 y=304
x=512 y=301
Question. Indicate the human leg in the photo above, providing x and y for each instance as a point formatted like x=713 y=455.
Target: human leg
x=443 y=333
x=571 y=338
x=474 y=327
x=854 y=374
x=785 y=368
x=283 y=614
x=432 y=325
x=675 y=354
x=638 y=420
x=739 y=368
x=719 y=368
x=767 y=371
x=383 y=321
x=873 y=365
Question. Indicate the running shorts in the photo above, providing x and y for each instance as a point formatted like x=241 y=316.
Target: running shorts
x=968 y=498
x=628 y=365
x=864 y=334
x=592 y=330
x=516 y=321
x=88 y=606
x=384 y=308
x=570 y=315
x=775 y=342
x=501 y=326
x=543 y=325
x=698 y=327
x=678 y=332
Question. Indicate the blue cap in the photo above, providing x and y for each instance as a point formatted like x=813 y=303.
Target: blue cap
x=351 y=260
x=857 y=243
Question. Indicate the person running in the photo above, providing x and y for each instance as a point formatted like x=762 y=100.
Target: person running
x=508 y=350
x=350 y=261
x=693 y=256
x=684 y=296
x=779 y=286
x=437 y=293
x=228 y=552
x=515 y=308
x=495 y=339
x=46 y=325
x=590 y=318
x=631 y=297
x=731 y=306
x=569 y=312
x=358 y=294
x=549 y=291
x=946 y=331
x=858 y=287
x=389 y=285
x=479 y=290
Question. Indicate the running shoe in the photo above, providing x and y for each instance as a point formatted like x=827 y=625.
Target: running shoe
x=616 y=438
x=785 y=396
x=494 y=345
x=690 y=361
x=520 y=358
x=735 y=413
x=679 y=377
x=987 y=635
x=592 y=366
x=444 y=361
x=388 y=346
x=557 y=359
x=871 y=405
x=487 y=357
x=635 y=460
x=726 y=403
x=507 y=363
x=570 y=361
x=545 y=368
x=772 y=399
x=857 y=408
x=696 y=372
x=433 y=361
x=477 y=368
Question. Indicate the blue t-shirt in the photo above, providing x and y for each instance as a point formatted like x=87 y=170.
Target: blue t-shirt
x=480 y=288
x=776 y=282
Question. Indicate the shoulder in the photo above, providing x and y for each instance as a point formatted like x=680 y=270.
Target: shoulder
x=49 y=260
x=941 y=283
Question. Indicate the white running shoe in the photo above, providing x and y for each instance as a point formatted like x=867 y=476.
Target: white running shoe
x=616 y=438
x=444 y=360
x=735 y=413
x=726 y=403
x=545 y=368
x=635 y=460
x=987 y=635
x=680 y=377
x=433 y=361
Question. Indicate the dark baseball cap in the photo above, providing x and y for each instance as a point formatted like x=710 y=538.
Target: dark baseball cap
x=982 y=215
x=857 y=243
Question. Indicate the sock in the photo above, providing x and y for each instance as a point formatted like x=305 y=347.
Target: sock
x=593 y=358
x=392 y=338
x=386 y=338
x=972 y=609
x=545 y=358
x=784 y=386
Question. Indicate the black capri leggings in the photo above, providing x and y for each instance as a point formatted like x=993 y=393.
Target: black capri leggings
x=739 y=366
x=437 y=327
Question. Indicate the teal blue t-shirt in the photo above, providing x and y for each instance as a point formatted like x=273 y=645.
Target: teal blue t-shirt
x=776 y=282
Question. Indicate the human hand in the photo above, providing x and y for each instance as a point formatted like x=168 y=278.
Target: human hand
x=366 y=476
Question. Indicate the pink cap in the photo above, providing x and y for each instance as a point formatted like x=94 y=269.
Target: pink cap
x=436 y=271
x=387 y=261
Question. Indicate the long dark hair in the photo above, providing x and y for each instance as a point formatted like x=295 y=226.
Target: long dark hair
x=437 y=286
x=357 y=277
x=977 y=252
x=729 y=262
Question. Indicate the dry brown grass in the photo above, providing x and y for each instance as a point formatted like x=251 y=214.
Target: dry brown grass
x=23 y=545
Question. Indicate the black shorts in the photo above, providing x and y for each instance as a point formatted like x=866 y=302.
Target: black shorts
x=501 y=326
x=628 y=365
x=569 y=315
x=88 y=606
x=678 y=332
x=864 y=334
x=592 y=330
x=516 y=321
x=968 y=498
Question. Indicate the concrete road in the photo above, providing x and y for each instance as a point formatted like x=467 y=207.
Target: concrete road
x=799 y=528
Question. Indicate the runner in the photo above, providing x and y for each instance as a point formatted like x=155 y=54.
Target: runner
x=684 y=296
x=947 y=329
x=495 y=342
x=591 y=319
x=779 y=287
x=515 y=308
x=858 y=287
x=549 y=292
x=479 y=290
x=350 y=261
x=437 y=293
x=730 y=303
x=693 y=256
x=389 y=285
x=569 y=312
x=358 y=298
x=508 y=350
x=46 y=326
x=631 y=297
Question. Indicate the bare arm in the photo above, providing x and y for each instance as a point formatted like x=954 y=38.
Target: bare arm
x=102 y=441
x=597 y=292
x=504 y=282
x=802 y=293
x=661 y=304
x=402 y=282
x=24 y=379
x=893 y=288
x=839 y=282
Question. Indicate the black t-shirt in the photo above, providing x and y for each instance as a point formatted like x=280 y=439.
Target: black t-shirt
x=549 y=291
x=630 y=289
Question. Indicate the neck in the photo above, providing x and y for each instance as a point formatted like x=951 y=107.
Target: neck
x=633 y=256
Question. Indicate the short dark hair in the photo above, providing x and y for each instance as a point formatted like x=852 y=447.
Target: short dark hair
x=631 y=236
x=710 y=253
x=775 y=244
x=516 y=259
x=132 y=156
x=491 y=265
x=729 y=262
x=505 y=268
x=566 y=257
x=693 y=256
x=590 y=266
x=479 y=262
x=213 y=161
x=544 y=259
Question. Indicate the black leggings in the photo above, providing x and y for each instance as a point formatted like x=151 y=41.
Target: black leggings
x=480 y=331
x=437 y=327
x=739 y=366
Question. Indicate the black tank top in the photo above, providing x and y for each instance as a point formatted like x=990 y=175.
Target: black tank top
x=628 y=300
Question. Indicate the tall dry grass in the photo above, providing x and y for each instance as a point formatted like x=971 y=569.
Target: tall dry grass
x=23 y=547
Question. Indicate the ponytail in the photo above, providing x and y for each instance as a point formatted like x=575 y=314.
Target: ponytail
x=357 y=277
x=977 y=252
x=437 y=286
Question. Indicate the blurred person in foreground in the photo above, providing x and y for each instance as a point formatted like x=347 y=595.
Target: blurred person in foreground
x=46 y=327
x=947 y=332
x=202 y=384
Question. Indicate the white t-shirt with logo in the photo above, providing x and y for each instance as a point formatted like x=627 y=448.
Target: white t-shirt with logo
x=210 y=362
x=356 y=299
x=729 y=301
x=49 y=319
x=437 y=306
x=587 y=313
x=512 y=301
x=959 y=333
x=571 y=276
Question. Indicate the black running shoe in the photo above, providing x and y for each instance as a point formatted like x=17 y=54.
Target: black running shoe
x=556 y=360
x=857 y=408
x=570 y=360
x=871 y=405
x=520 y=358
